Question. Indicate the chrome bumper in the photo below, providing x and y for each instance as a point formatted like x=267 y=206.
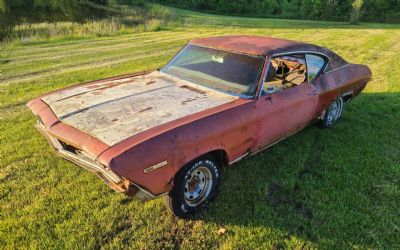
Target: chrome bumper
x=109 y=177
x=112 y=180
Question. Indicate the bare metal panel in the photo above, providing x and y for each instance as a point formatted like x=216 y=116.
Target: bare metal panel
x=115 y=110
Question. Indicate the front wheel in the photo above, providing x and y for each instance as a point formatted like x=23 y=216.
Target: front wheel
x=195 y=186
x=333 y=113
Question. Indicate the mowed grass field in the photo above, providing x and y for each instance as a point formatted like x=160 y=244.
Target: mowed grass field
x=336 y=188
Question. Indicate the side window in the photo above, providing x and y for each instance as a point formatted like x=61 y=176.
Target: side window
x=314 y=65
x=285 y=72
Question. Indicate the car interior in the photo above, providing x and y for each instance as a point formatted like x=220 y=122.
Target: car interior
x=285 y=72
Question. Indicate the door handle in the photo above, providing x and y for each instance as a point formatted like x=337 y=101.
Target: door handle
x=314 y=92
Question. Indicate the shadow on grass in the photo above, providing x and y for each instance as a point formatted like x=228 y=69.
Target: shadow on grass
x=333 y=187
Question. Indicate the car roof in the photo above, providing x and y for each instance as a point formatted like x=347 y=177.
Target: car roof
x=266 y=46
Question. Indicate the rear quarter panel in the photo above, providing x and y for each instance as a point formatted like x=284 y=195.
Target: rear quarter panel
x=349 y=79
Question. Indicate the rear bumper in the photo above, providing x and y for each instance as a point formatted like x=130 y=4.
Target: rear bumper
x=114 y=181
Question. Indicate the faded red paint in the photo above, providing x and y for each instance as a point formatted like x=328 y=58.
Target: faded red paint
x=64 y=132
x=236 y=128
x=266 y=46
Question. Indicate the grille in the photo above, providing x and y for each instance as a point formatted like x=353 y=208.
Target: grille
x=68 y=147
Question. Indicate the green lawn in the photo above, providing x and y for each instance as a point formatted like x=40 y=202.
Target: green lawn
x=337 y=188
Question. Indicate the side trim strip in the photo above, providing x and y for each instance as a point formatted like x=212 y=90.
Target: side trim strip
x=239 y=158
x=281 y=139
x=154 y=167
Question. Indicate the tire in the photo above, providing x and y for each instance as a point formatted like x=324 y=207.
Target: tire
x=333 y=113
x=195 y=186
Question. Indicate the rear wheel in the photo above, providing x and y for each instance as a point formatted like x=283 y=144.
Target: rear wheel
x=195 y=186
x=333 y=113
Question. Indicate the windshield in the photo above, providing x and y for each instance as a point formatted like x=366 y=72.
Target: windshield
x=225 y=71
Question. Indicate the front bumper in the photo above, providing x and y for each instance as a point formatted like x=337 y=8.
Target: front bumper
x=115 y=182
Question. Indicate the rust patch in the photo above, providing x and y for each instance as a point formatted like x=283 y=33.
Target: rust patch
x=104 y=85
x=166 y=79
x=193 y=89
x=146 y=109
x=110 y=85
x=187 y=100
x=243 y=144
x=92 y=88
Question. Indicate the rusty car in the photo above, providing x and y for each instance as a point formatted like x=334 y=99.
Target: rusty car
x=220 y=99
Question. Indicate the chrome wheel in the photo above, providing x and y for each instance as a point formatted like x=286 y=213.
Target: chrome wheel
x=197 y=186
x=335 y=111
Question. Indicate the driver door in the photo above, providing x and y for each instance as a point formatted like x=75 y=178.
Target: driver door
x=284 y=107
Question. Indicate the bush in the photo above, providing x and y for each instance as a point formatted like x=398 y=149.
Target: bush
x=153 y=25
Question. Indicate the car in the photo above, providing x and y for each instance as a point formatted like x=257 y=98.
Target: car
x=219 y=100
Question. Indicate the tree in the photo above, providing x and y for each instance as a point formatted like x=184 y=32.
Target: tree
x=355 y=14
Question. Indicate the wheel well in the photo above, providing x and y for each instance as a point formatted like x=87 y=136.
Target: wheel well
x=347 y=98
x=221 y=156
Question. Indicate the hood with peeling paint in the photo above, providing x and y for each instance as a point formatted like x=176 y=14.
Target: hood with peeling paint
x=115 y=110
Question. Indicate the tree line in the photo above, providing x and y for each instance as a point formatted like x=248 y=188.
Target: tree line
x=32 y=11
x=29 y=11
x=330 y=10
x=14 y=12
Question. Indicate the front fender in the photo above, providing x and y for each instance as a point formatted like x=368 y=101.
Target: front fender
x=153 y=162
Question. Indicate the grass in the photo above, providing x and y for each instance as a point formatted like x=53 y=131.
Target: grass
x=333 y=189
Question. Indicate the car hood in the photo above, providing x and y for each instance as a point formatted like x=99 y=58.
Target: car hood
x=115 y=110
